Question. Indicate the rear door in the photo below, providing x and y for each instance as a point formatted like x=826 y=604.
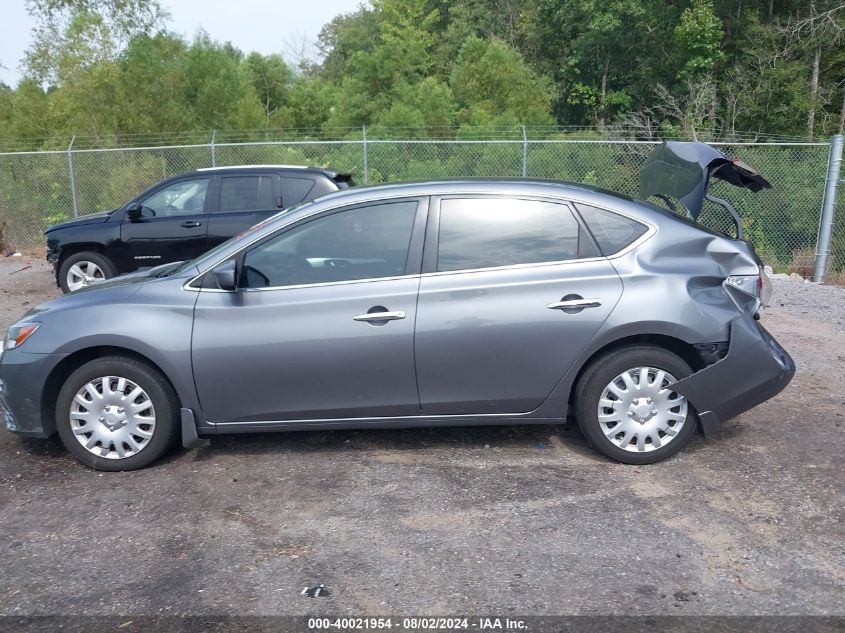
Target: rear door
x=172 y=225
x=242 y=200
x=512 y=292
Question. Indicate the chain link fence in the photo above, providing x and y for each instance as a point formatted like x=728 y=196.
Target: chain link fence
x=38 y=189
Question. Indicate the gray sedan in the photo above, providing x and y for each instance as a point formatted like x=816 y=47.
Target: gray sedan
x=420 y=304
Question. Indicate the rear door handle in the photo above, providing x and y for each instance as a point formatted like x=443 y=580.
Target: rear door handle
x=191 y=224
x=570 y=304
x=380 y=316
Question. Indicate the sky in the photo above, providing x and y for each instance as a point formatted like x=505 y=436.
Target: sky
x=251 y=25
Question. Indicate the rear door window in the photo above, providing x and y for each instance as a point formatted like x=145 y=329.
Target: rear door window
x=491 y=232
x=612 y=231
x=246 y=193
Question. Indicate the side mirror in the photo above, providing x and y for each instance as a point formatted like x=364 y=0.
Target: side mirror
x=226 y=276
x=134 y=212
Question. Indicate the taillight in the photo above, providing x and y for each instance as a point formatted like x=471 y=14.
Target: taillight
x=749 y=284
x=754 y=291
x=765 y=292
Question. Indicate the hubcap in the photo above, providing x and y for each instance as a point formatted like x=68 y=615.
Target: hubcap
x=83 y=274
x=112 y=417
x=639 y=412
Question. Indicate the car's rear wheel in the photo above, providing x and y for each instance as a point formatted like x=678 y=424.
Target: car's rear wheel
x=627 y=409
x=116 y=413
x=83 y=269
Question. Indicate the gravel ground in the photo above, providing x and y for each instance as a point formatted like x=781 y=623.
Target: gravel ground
x=508 y=520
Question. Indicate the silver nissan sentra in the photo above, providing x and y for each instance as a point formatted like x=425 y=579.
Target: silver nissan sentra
x=419 y=304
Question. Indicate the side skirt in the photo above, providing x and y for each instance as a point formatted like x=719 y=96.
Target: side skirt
x=376 y=423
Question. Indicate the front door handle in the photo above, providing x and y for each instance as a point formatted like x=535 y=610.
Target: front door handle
x=574 y=304
x=380 y=316
x=191 y=224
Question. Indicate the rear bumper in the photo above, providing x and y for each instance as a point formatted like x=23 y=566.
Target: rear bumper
x=755 y=369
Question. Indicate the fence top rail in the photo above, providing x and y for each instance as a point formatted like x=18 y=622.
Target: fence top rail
x=370 y=141
x=42 y=152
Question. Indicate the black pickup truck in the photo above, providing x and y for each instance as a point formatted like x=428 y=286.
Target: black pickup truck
x=179 y=219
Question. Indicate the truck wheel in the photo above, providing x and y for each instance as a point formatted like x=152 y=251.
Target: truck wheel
x=83 y=269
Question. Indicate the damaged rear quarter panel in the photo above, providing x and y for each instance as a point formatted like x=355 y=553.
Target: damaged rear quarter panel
x=673 y=282
x=672 y=286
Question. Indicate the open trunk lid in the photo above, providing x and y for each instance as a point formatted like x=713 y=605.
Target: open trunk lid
x=684 y=170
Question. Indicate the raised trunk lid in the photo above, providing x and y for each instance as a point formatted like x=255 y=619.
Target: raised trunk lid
x=685 y=169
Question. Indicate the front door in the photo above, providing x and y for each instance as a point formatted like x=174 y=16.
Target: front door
x=515 y=294
x=322 y=325
x=171 y=225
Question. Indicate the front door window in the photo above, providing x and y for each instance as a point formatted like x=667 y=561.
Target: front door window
x=186 y=197
x=363 y=243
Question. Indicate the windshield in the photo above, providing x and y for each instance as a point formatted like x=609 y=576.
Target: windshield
x=208 y=255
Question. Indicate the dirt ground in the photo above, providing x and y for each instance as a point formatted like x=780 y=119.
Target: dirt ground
x=509 y=520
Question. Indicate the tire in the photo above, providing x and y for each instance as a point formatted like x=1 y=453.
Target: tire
x=88 y=263
x=148 y=422
x=654 y=422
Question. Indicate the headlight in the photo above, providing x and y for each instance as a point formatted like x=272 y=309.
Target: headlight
x=18 y=333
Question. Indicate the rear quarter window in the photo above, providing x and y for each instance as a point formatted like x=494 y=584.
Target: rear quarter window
x=612 y=232
x=295 y=190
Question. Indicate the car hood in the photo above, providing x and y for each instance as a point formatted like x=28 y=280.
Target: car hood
x=115 y=289
x=91 y=218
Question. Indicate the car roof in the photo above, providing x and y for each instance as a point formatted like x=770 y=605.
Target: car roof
x=491 y=186
x=248 y=167
x=512 y=187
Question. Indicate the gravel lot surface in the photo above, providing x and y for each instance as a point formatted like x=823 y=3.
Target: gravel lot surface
x=504 y=520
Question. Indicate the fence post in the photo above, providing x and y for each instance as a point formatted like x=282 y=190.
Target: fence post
x=366 y=157
x=213 y=151
x=72 y=178
x=834 y=165
x=524 y=153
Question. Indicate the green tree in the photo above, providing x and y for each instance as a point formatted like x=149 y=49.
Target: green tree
x=310 y=103
x=698 y=40
x=216 y=88
x=492 y=77
x=85 y=31
x=342 y=37
x=108 y=69
x=151 y=78
x=271 y=78
x=590 y=50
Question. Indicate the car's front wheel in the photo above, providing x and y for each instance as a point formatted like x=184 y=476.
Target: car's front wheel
x=116 y=413
x=627 y=409
x=83 y=269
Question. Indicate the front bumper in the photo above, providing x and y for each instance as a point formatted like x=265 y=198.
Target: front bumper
x=755 y=369
x=22 y=380
x=53 y=258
